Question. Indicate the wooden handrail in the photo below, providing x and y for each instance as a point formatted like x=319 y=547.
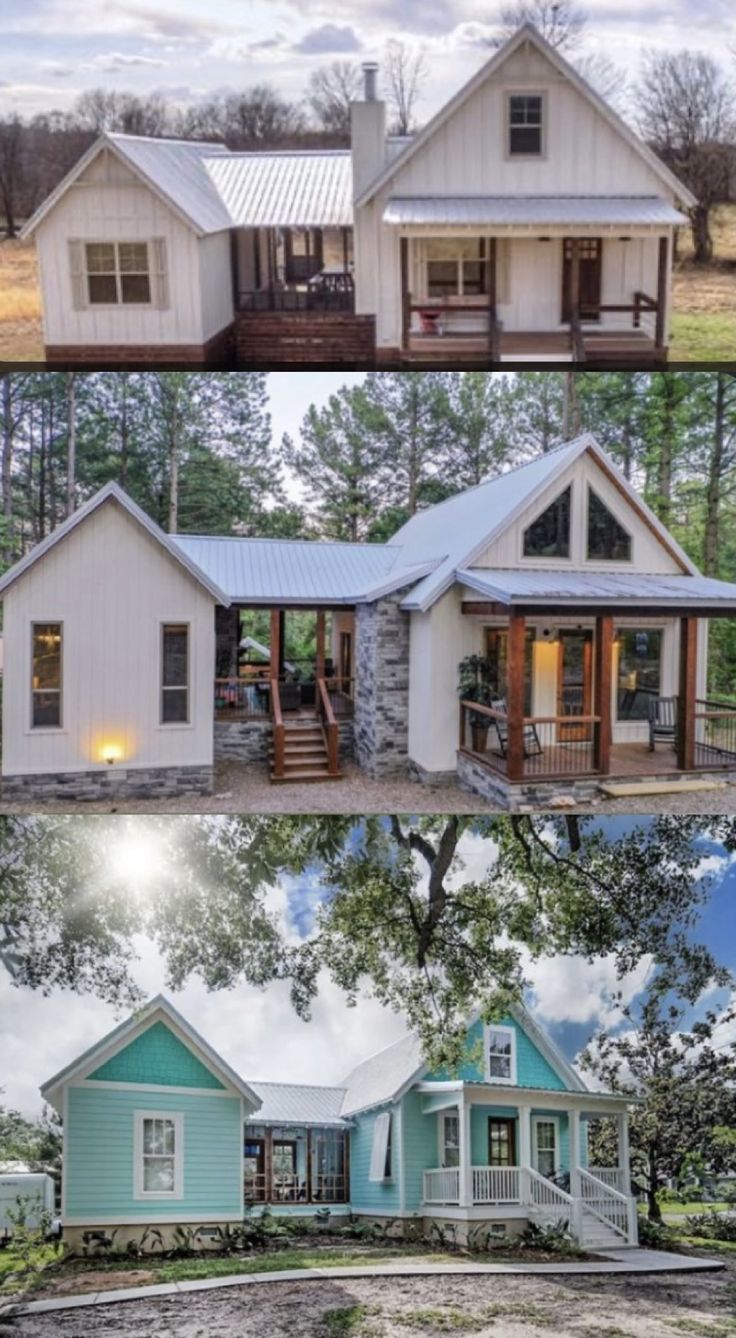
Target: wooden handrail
x=278 y=730
x=332 y=733
x=561 y=719
x=484 y=710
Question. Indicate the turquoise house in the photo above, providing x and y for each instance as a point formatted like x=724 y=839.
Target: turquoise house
x=159 y=1131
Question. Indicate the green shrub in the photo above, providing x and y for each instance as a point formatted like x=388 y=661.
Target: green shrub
x=655 y=1235
x=711 y=1225
x=554 y=1238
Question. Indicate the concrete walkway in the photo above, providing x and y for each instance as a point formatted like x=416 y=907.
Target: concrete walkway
x=616 y=1261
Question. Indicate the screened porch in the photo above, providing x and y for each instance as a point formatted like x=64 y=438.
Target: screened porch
x=295 y=1164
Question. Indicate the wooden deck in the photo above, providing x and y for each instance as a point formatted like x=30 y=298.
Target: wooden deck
x=635 y=759
x=602 y=348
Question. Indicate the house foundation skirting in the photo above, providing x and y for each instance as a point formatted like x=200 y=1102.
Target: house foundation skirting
x=429 y=778
x=217 y=351
x=480 y=780
x=115 y=783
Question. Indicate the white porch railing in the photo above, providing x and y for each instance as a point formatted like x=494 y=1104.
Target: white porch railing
x=612 y=1176
x=442 y=1186
x=543 y=1193
x=496 y=1184
x=607 y=1204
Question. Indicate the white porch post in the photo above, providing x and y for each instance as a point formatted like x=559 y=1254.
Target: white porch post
x=465 y=1178
x=573 y=1126
x=623 y=1152
x=525 y=1151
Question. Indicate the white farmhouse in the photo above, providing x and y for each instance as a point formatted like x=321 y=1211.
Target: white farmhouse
x=540 y=631
x=525 y=220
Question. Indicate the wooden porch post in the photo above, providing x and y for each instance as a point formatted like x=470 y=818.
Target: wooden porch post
x=276 y=650
x=310 y=1186
x=575 y=279
x=320 y=657
x=492 y=285
x=688 y=679
x=623 y=1152
x=602 y=692
x=234 y=268
x=524 y=1156
x=515 y=695
x=405 y=312
x=663 y=265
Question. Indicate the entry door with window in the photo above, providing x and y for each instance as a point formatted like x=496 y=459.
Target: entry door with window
x=501 y=1142
x=284 y=1169
x=590 y=252
x=575 y=683
x=544 y=1147
x=254 y=1170
x=450 y=1134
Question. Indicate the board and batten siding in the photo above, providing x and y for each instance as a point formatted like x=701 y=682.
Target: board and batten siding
x=99 y=1160
x=112 y=587
x=380 y=1196
x=109 y=203
x=584 y=155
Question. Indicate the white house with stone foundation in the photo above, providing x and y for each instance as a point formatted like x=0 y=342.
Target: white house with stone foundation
x=127 y=672
x=525 y=220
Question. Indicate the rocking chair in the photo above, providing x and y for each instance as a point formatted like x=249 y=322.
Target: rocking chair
x=532 y=744
x=662 y=720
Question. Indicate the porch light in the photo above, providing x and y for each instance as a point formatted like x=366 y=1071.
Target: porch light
x=550 y=635
x=111 y=752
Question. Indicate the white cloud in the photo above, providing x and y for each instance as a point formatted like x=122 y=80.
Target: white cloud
x=570 y=989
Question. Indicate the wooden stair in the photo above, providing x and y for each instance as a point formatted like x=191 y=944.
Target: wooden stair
x=305 y=753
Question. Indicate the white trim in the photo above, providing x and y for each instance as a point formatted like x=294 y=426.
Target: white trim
x=241 y=1157
x=400 y=1145
x=65 y=1127
x=454 y=1113
x=141 y=1219
x=545 y=1119
x=176 y=1118
x=510 y=1032
x=161 y=1089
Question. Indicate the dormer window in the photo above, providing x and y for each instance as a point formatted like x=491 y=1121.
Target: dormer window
x=525 y=126
x=500 y=1054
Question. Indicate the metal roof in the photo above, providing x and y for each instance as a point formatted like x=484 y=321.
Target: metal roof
x=295 y=1103
x=178 y=169
x=262 y=571
x=382 y=1077
x=264 y=190
x=578 y=588
x=531 y=210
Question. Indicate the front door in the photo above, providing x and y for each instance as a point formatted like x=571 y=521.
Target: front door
x=590 y=252
x=501 y=1142
x=575 y=683
x=544 y=1146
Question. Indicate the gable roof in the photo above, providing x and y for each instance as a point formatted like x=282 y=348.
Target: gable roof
x=455 y=532
x=387 y=1075
x=110 y=493
x=589 y=589
x=528 y=33
x=156 y=1010
x=298 y=1103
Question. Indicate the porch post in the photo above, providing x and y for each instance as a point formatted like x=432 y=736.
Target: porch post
x=602 y=692
x=276 y=648
x=663 y=266
x=465 y=1176
x=405 y=296
x=623 y=1152
x=320 y=657
x=573 y=1122
x=491 y=284
x=688 y=680
x=525 y=1151
x=515 y=695
x=575 y=279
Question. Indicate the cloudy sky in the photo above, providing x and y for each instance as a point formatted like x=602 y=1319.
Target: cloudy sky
x=257 y=1032
x=51 y=50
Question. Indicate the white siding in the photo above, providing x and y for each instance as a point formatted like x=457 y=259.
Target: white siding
x=215 y=283
x=112 y=587
x=123 y=209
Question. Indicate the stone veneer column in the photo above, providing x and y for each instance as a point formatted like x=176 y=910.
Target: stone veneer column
x=382 y=686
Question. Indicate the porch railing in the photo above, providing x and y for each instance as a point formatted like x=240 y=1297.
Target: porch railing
x=341 y=692
x=286 y=300
x=442 y=1186
x=242 y=698
x=496 y=1184
x=546 y=1195
x=292 y=1188
x=551 y=746
x=715 y=734
x=612 y=1176
x=326 y=717
x=609 y=1205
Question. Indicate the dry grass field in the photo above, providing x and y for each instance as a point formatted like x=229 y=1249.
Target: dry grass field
x=703 y=326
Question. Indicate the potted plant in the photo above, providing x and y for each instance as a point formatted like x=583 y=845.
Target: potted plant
x=474 y=685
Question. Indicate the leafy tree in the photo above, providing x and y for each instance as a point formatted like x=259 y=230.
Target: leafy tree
x=35 y=1143
x=685 y=1083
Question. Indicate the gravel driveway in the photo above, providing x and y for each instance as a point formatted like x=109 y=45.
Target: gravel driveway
x=703 y=1305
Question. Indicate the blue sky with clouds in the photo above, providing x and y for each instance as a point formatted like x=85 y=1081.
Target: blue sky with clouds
x=257 y=1032
x=51 y=50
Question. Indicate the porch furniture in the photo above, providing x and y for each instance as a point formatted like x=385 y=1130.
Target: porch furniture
x=662 y=720
x=532 y=744
x=291 y=696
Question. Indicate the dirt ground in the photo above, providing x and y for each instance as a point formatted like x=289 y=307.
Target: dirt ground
x=703 y=1305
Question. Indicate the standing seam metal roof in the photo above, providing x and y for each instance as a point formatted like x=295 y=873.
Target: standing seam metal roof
x=596 y=586
x=523 y=210
x=261 y=190
x=178 y=169
x=297 y=1103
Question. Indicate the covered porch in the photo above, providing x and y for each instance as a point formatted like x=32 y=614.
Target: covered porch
x=523 y=1154
x=295 y=1165
x=290 y=269
x=510 y=279
x=597 y=688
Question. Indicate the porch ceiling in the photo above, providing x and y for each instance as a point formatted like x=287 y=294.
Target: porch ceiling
x=547 y=590
x=531 y=210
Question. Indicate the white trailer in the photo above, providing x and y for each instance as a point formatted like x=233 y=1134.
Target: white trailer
x=32 y=1193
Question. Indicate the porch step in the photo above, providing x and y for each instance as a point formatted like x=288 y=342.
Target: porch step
x=633 y=789
x=305 y=754
x=306 y=776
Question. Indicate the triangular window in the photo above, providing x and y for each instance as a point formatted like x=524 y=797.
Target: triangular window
x=607 y=539
x=549 y=535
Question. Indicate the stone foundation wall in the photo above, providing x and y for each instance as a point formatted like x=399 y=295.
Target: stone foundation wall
x=242 y=741
x=141 y=783
x=382 y=687
x=430 y=778
x=477 y=779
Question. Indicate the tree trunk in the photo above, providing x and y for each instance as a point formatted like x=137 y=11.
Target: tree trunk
x=654 y=1212
x=702 y=240
x=123 y=419
x=666 y=449
x=174 y=465
x=715 y=474
x=7 y=465
x=571 y=408
x=71 y=443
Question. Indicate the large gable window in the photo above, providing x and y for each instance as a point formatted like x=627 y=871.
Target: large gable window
x=549 y=535
x=526 y=127
x=118 y=272
x=159 y=1138
x=608 y=541
x=46 y=649
x=501 y=1054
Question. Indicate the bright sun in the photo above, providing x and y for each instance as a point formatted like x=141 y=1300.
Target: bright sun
x=135 y=856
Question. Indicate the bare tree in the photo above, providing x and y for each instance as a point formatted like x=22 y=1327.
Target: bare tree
x=607 y=78
x=405 y=72
x=330 y=91
x=560 y=22
x=11 y=172
x=687 y=112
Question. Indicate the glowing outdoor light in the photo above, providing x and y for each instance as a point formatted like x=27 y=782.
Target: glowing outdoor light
x=111 y=752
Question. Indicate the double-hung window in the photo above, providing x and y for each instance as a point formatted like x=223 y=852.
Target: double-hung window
x=526 y=126
x=159 y=1155
x=501 y=1054
x=117 y=272
x=450 y=1139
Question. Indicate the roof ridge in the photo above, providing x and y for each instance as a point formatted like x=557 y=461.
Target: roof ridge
x=274 y=539
x=392 y=1044
x=166 y=139
x=311 y=1086
x=282 y=153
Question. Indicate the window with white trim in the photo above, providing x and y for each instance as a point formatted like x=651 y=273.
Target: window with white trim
x=380 y=1168
x=501 y=1054
x=118 y=272
x=175 y=674
x=450 y=1138
x=525 y=123
x=545 y=1135
x=46 y=662
x=159 y=1159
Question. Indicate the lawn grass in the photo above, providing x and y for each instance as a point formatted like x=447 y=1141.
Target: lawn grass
x=693 y=1206
x=706 y=1243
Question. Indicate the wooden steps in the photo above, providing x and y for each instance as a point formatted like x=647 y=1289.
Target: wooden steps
x=305 y=754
